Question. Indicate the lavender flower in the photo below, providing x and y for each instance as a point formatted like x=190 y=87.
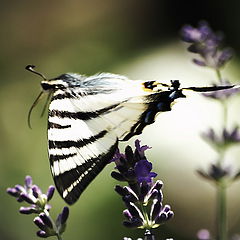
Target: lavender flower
x=203 y=234
x=225 y=139
x=206 y=43
x=47 y=228
x=215 y=172
x=33 y=195
x=143 y=171
x=218 y=172
x=142 y=197
x=38 y=201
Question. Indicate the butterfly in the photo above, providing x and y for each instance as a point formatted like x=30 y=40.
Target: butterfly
x=88 y=116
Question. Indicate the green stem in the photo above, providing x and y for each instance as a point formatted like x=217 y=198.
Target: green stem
x=148 y=235
x=221 y=220
x=219 y=75
x=225 y=112
x=59 y=237
x=221 y=215
x=145 y=214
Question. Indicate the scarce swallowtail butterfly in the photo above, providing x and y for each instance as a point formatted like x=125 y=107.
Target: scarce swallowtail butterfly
x=88 y=116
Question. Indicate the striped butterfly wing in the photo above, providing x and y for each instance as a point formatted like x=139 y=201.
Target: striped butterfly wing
x=89 y=115
x=86 y=122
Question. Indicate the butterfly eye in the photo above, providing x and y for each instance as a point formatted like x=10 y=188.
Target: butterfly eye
x=46 y=86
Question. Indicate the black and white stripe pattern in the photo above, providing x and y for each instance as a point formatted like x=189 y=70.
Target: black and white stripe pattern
x=87 y=118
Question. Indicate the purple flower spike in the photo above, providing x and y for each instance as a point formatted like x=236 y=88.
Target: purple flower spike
x=134 y=223
x=217 y=172
x=27 y=198
x=39 y=222
x=199 y=62
x=65 y=214
x=144 y=190
x=225 y=56
x=117 y=156
x=28 y=181
x=134 y=210
x=206 y=43
x=118 y=176
x=158 y=185
x=27 y=210
x=50 y=193
x=13 y=192
x=46 y=220
x=20 y=188
x=141 y=149
x=190 y=34
x=143 y=171
x=225 y=139
x=120 y=190
x=141 y=196
x=155 y=209
x=154 y=194
x=166 y=208
x=37 y=190
x=170 y=214
x=127 y=214
x=42 y=234
x=161 y=218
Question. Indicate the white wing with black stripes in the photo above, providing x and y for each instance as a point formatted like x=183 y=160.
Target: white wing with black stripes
x=89 y=115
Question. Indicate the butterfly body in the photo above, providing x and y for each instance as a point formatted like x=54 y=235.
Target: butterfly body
x=88 y=116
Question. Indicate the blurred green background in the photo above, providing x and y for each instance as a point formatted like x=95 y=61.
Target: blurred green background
x=137 y=38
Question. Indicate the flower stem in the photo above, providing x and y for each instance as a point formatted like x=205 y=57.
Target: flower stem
x=219 y=75
x=148 y=235
x=221 y=217
x=59 y=237
x=145 y=215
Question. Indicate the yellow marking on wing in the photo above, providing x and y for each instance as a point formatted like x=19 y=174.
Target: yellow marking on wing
x=154 y=86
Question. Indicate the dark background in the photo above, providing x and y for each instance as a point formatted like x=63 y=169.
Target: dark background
x=88 y=37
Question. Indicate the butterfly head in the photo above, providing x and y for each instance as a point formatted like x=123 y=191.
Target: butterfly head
x=176 y=91
x=48 y=86
x=53 y=84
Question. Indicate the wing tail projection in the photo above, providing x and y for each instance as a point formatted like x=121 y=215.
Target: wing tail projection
x=210 y=89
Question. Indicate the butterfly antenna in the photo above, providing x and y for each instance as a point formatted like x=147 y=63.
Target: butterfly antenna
x=46 y=104
x=32 y=107
x=30 y=68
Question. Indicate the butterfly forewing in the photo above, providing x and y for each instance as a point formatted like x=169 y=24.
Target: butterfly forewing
x=83 y=132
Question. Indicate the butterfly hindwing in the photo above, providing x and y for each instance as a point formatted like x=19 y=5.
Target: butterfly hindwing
x=78 y=150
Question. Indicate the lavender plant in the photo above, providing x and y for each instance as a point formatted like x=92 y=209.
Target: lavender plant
x=207 y=45
x=39 y=204
x=142 y=197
